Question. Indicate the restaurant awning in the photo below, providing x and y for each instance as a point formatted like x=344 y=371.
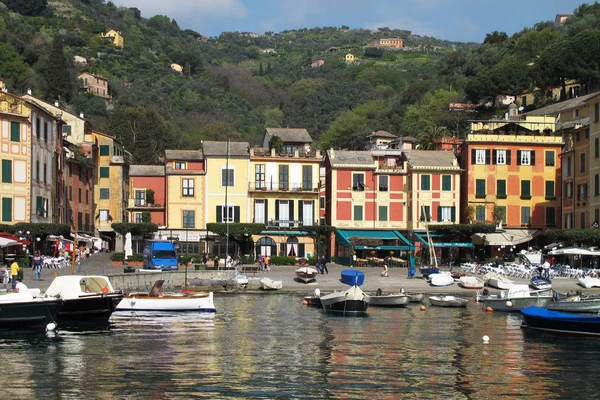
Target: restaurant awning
x=343 y=237
x=423 y=238
x=20 y=241
x=508 y=237
x=581 y=251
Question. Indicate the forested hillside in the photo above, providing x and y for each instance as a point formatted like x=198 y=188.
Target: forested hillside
x=235 y=85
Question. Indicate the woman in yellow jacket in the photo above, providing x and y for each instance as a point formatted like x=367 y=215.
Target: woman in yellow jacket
x=14 y=273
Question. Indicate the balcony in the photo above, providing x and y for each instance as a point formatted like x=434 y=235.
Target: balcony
x=288 y=224
x=132 y=205
x=274 y=186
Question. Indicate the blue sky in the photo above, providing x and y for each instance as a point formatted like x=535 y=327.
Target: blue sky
x=455 y=20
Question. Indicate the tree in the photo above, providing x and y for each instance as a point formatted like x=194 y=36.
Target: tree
x=276 y=143
x=495 y=38
x=57 y=73
x=429 y=138
x=238 y=232
x=432 y=110
x=274 y=118
x=27 y=7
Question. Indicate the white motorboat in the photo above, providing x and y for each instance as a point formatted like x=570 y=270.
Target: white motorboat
x=349 y=302
x=519 y=297
x=27 y=310
x=156 y=300
x=575 y=304
x=270 y=284
x=380 y=299
x=470 y=282
x=441 y=279
x=307 y=274
x=448 y=301
x=497 y=281
x=588 y=282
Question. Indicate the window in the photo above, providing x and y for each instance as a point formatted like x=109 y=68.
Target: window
x=189 y=218
x=445 y=214
x=45 y=173
x=383 y=213
x=140 y=197
x=569 y=221
x=138 y=217
x=7 y=171
x=582 y=162
x=383 y=183
x=104 y=150
x=15 y=131
x=582 y=192
x=525 y=189
x=6 y=209
x=480 y=156
x=569 y=190
x=596 y=112
x=67 y=131
x=597 y=185
x=104 y=172
x=228 y=214
x=79 y=198
x=259 y=176
x=358 y=182
x=260 y=211
x=358 y=213
x=307 y=177
x=550 y=216
x=87 y=196
x=71 y=193
x=425 y=182
x=500 y=157
x=284 y=177
x=582 y=220
x=45 y=131
x=446 y=182
x=569 y=167
x=104 y=194
x=524 y=101
x=502 y=209
x=87 y=221
x=37 y=170
x=187 y=189
x=480 y=188
x=480 y=213
x=38 y=127
x=181 y=165
x=306 y=212
x=322 y=202
x=550 y=195
x=104 y=215
x=550 y=159
x=525 y=215
x=284 y=212
x=70 y=170
x=425 y=214
x=525 y=157
x=501 y=188
x=80 y=221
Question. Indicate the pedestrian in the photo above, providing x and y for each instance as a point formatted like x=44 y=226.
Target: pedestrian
x=216 y=262
x=204 y=258
x=384 y=270
x=267 y=263
x=228 y=261
x=261 y=263
x=37 y=265
x=450 y=261
x=354 y=264
x=497 y=262
x=546 y=268
x=20 y=286
x=323 y=263
x=14 y=273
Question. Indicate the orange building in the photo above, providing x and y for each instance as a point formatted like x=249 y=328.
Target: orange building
x=391 y=42
x=146 y=181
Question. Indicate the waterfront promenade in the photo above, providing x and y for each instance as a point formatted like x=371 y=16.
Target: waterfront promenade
x=100 y=264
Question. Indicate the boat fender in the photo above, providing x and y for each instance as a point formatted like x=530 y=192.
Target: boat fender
x=489 y=309
x=486 y=339
x=422 y=308
x=50 y=327
x=508 y=303
x=305 y=302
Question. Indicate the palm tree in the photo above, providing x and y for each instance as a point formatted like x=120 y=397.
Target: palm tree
x=427 y=140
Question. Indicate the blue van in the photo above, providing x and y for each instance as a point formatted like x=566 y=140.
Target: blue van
x=160 y=255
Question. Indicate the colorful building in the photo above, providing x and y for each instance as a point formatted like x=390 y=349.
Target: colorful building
x=391 y=42
x=512 y=173
x=79 y=187
x=115 y=37
x=94 y=84
x=146 y=181
x=185 y=192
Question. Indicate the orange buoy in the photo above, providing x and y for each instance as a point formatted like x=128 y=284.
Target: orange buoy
x=305 y=302
x=104 y=290
x=422 y=308
x=489 y=309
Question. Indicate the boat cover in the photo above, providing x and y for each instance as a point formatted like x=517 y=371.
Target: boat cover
x=540 y=312
x=352 y=277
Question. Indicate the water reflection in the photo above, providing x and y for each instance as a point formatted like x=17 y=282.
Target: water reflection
x=273 y=346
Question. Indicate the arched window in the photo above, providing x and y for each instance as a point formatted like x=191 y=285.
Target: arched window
x=291 y=247
x=266 y=246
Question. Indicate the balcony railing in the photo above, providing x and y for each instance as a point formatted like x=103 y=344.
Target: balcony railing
x=282 y=186
x=284 y=223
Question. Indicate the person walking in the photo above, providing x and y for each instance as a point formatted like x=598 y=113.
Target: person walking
x=14 y=273
x=228 y=261
x=267 y=263
x=546 y=269
x=323 y=263
x=37 y=265
x=261 y=263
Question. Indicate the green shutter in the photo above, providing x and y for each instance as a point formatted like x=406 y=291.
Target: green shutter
x=480 y=188
x=301 y=250
x=525 y=188
x=104 y=172
x=439 y=212
x=453 y=214
x=446 y=182
x=6 y=209
x=425 y=182
x=549 y=189
x=104 y=150
x=7 y=171
x=358 y=213
x=236 y=214
x=219 y=214
x=383 y=213
x=501 y=189
x=39 y=205
x=15 y=131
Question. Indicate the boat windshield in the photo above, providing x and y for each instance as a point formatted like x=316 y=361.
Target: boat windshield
x=163 y=254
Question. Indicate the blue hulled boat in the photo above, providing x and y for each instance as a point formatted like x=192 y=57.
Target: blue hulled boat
x=540 y=283
x=542 y=319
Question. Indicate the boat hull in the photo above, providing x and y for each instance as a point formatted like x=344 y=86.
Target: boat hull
x=448 y=301
x=95 y=308
x=499 y=283
x=307 y=274
x=349 y=302
x=269 y=284
x=539 y=283
x=389 y=300
x=313 y=301
x=33 y=313
x=578 y=306
x=416 y=297
x=441 y=280
x=470 y=282
x=517 y=303
x=557 y=322
x=142 y=302
x=589 y=282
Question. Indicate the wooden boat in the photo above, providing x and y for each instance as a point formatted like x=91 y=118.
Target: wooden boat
x=24 y=311
x=448 y=301
x=517 y=298
x=542 y=319
x=416 y=297
x=87 y=299
x=457 y=275
x=380 y=299
x=575 y=304
x=427 y=271
x=156 y=300
x=314 y=300
x=352 y=277
x=270 y=284
x=540 y=283
x=588 y=282
x=352 y=301
x=307 y=274
x=470 y=282
x=441 y=279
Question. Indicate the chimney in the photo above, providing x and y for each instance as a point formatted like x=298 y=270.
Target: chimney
x=331 y=153
x=29 y=91
x=56 y=104
x=81 y=115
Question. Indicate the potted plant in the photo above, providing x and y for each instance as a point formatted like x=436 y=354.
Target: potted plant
x=149 y=197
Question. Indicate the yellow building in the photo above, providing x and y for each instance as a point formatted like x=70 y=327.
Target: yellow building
x=226 y=187
x=115 y=37
x=349 y=58
x=572 y=87
x=111 y=185
x=186 y=199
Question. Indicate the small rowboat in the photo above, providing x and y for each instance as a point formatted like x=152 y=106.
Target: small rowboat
x=470 y=282
x=448 y=301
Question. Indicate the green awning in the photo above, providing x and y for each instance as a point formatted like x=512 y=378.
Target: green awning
x=358 y=247
x=343 y=237
x=423 y=238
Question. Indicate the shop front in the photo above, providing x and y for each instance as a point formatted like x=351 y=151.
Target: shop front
x=446 y=251
x=372 y=247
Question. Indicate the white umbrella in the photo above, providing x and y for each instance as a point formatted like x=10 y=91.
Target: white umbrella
x=574 y=251
x=4 y=242
x=128 y=246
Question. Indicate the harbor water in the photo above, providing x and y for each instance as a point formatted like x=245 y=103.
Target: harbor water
x=273 y=346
